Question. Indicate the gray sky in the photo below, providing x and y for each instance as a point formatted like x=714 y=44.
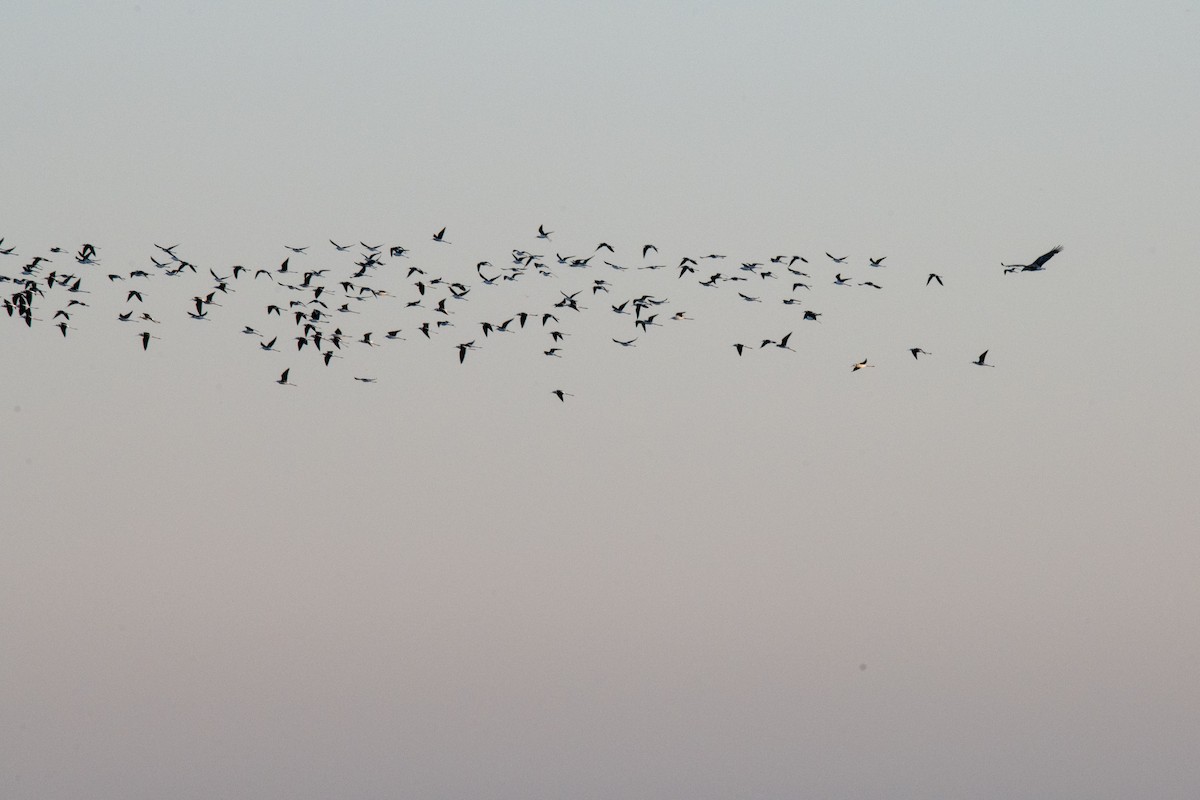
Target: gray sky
x=450 y=584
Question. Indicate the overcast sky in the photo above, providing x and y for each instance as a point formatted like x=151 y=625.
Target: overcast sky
x=700 y=576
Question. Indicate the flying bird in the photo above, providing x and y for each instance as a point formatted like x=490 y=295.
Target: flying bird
x=979 y=362
x=861 y=365
x=1038 y=264
x=933 y=276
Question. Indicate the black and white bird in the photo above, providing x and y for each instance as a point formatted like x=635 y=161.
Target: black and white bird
x=1038 y=263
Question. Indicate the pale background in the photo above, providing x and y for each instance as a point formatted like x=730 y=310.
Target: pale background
x=700 y=577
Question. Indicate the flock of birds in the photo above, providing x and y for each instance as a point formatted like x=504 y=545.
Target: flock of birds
x=308 y=302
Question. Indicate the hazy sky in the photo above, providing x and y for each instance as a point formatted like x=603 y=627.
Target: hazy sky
x=702 y=576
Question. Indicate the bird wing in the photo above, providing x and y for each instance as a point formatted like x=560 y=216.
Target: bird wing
x=1042 y=259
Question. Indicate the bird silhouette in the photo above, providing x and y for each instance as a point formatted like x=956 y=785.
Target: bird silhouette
x=1037 y=264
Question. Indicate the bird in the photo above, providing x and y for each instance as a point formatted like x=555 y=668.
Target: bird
x=979 y=362
x=440 y=236
x=877 y=262
x=543 y=233
x=560 y=394
x=916 y=351
x=861 y=365
x=626 y=343
x=840 y=281
x=933 y=276
x=1038 y=264
x=283 y=378
x=837 y=260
